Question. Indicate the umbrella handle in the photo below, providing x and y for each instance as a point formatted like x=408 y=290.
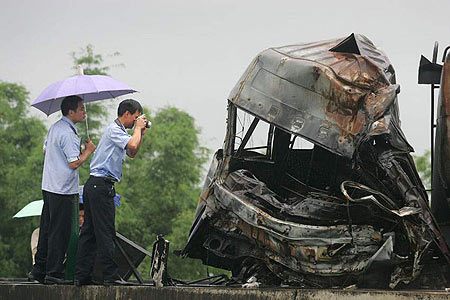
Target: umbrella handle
x=80 y=72
x=87 y=127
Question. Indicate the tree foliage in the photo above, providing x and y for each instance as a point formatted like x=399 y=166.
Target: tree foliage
x=21 y=162
x=92 y=64
x=185 y=268
x=97 y=112
x=423 y=165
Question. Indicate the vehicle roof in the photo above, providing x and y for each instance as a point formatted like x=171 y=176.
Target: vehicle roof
x=329 y=92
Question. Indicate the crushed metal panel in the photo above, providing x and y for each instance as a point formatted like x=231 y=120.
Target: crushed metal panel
x=324 y=96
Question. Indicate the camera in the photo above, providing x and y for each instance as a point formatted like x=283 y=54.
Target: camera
x=147 y=123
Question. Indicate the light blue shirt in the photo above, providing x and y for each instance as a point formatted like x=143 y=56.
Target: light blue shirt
x=62 y=146
x=110 y=153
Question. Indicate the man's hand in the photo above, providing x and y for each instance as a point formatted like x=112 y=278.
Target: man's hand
x=136 y=139
x=89 y=146
x=144 y=130
x=141 y=122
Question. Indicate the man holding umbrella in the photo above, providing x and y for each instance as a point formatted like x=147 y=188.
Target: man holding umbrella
x=60 y=183
x=98 y=231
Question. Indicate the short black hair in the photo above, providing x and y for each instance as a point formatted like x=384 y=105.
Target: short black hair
x=70 y=103
x=129 y=105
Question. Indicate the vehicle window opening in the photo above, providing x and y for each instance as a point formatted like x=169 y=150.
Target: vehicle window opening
x=290 y=165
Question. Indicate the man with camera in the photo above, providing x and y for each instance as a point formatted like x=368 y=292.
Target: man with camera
x=98 y=231
x=60 y=191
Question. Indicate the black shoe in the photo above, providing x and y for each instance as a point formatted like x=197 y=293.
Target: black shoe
x=80 y=282
x=55 y=280
x=118 y=282
x=35 y=278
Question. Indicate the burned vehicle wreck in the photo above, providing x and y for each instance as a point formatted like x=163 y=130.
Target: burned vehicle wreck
x=330 y=197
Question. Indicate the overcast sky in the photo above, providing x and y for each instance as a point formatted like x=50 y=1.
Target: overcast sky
x=190 y=54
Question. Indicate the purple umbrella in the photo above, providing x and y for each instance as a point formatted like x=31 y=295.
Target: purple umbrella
x=89 y=87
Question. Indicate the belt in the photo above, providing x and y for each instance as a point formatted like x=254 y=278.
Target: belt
x=109 y=179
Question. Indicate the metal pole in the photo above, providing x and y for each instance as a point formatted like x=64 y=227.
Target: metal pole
x=130 y=263
x=432 y=133
x=435 y=53
x=81 y=72
x=87 y=127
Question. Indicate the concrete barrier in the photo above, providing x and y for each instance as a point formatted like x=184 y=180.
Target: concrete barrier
x=22 y=291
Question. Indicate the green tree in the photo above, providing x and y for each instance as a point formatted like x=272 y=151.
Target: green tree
x=423 y=165
x=21 y=162
x=160 y=186
x=92 y=64
x=185 y=268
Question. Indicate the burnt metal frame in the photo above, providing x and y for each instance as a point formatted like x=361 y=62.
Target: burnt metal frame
x=233 y=116
x=445 y=53
x=270 y=139
x=434 y=87
x=433 y=124
x=247 y=136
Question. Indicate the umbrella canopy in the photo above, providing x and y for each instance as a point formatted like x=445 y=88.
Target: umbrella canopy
x=88 y=87
x=31 y=209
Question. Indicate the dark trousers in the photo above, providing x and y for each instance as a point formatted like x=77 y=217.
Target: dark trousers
x=98 y=231
x=54 y=234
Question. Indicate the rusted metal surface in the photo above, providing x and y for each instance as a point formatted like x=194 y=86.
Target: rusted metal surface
x=444 y=121
x=324 y=96
x=441 y=168
x=443 y=127
x=351 y=210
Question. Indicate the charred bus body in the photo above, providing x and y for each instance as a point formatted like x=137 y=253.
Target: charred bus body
x=438 y=76
x=347 y=208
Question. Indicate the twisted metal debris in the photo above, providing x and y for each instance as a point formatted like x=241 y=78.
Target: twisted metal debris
x=350 y=210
